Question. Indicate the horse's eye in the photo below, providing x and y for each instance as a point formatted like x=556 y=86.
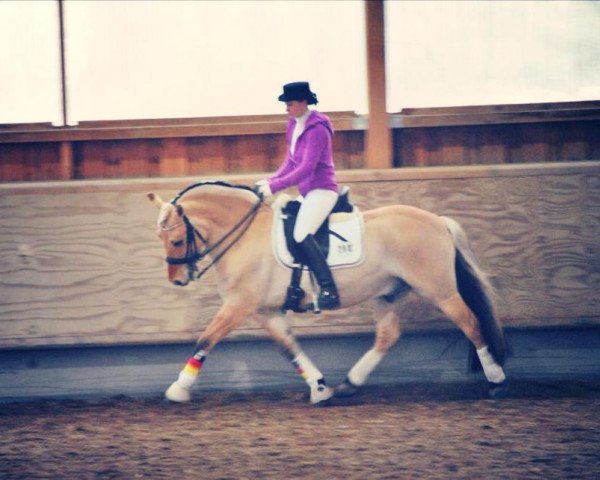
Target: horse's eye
x=177 y=243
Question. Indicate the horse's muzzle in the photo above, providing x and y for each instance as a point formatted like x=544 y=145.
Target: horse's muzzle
x=180 y=276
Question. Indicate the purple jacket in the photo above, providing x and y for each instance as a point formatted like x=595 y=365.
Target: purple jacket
x=311 y=165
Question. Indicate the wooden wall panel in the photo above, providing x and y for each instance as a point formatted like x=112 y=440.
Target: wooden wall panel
x=205 y=156
x=481 y=135
x=29 y=162
x=496 y=144
x=348 y=150
x=172 y=157
x=12 y=164
x=81 y=264
x=118 y=159
x=489 y=146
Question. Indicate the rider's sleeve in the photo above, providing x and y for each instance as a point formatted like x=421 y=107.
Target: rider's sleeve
x=317 y=139
x=285 y=168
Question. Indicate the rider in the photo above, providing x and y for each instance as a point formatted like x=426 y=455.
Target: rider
x=309 y=166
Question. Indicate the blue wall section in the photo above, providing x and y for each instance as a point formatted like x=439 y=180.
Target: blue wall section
x=440 y=357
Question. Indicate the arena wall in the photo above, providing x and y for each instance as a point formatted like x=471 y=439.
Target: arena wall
x=81 y=263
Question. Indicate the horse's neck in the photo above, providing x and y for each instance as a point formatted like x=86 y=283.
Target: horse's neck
x=242 y=243
x=220 y=211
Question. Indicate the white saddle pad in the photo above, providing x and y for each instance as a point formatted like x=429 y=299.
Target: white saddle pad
x=347 y=251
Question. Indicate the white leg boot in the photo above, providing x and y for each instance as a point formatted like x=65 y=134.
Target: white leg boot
x=320 y=392
x=493 y=372
x=362 y=369
x=176 y=393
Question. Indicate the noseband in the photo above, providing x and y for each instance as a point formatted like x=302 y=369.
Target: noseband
x=192 y=254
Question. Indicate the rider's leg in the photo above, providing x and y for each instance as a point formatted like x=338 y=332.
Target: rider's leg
x=315 y=208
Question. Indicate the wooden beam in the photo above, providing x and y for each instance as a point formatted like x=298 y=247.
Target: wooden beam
x=66 y=160
x=63 y=72
x=378 y=142
x=164 y=128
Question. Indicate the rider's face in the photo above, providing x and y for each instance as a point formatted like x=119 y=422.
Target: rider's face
x=296 y=108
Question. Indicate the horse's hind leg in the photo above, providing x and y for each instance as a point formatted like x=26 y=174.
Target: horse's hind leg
x=387 y=333
x=436 y=278
x=279 y=329
x=456 y=309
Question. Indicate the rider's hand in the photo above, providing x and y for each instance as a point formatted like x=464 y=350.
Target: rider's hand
x=264 y=188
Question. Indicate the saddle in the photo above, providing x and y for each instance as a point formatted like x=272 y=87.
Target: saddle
x=340 y=240
x=289 y=215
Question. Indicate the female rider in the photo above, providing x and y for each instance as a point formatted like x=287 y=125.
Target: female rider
x=309 y=166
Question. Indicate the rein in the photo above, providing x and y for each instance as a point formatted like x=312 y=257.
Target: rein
x=193 y=255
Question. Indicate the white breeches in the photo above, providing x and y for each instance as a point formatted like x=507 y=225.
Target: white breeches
x=315 y=208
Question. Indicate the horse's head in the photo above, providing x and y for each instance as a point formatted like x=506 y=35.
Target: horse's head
x=179 y=238
x=219 y=208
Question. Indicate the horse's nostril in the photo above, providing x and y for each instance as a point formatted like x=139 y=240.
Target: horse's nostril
x=179 y=283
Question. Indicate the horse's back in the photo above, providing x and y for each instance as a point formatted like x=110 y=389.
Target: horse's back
x=405 y=218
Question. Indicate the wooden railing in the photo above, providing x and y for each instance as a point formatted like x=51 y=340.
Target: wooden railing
x=496 y=134
x=159 y=148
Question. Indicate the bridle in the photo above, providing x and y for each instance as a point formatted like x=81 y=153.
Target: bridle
x=192 y=254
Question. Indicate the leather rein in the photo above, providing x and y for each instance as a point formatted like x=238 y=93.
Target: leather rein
x=192 y=254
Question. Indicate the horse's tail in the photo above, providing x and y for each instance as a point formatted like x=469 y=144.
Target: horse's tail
x=476 y=291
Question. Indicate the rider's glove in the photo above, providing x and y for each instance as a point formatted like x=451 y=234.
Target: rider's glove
x=264 y=188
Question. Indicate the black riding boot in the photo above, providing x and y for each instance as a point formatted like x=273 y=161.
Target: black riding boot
x=328 y=296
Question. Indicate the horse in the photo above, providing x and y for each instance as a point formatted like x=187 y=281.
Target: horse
x=405 y=249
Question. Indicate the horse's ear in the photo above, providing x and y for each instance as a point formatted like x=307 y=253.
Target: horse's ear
x=155 y=199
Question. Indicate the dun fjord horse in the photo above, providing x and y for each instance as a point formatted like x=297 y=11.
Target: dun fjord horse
x=405 y=249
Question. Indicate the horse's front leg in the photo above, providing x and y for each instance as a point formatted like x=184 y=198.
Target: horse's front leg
x=278 y=327
x=386 y=335
x=227 y=319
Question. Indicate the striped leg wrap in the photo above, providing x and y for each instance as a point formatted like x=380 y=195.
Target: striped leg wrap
x=299 y=370
x=192 y=368
x=306 y=369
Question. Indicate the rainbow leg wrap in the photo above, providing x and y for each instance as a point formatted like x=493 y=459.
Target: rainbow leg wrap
x=306 y=369
x=192 y=368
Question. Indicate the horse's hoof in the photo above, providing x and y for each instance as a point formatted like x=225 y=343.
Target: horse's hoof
x=176 y=393
x=498 y=390
x=321 y=395
x=346 y=389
